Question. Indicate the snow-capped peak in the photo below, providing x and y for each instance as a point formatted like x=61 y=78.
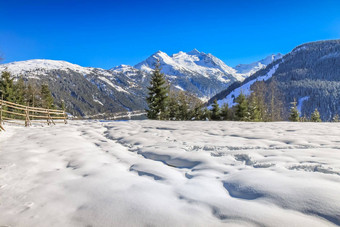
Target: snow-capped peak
x=193 y=71
x=193 y=52
x=271 y=58
x=193 y=61
x=122 y=68
x=23 y=67
x=42 y=67
x=249 y=69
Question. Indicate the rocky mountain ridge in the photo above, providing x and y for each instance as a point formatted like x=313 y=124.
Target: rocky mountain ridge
x=88 y=91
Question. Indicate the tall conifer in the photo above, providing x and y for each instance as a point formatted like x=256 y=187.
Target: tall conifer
x=158 y=95
x=225 y=112
x=215 y=111
x=241 y=112
x=316 y=116
x=7 y=87
x=46 y=97
x=294 y=113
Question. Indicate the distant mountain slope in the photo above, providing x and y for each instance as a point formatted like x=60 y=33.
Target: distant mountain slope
x=91 y=91
x=310 y=74
x=249 y=69
x=86 y=91
x=199 y=73
x=202 y=74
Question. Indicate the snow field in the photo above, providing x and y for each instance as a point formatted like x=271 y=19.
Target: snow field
x=142 y=173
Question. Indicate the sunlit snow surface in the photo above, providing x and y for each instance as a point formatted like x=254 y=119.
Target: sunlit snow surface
x=151 y=173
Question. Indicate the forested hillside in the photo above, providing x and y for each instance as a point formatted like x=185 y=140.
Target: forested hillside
x=310 y=74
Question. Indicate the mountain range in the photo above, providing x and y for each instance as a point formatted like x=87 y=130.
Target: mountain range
x=89 y=91
x=309 y=74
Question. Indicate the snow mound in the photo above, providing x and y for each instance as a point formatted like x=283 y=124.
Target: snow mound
x=152 y=173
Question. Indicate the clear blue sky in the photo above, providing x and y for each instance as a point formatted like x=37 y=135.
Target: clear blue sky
x=108 y=33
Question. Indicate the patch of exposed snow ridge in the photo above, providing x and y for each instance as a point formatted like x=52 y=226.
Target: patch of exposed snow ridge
x=245 y=88
x=30 y=66
x=107 y=81
x=249 y=69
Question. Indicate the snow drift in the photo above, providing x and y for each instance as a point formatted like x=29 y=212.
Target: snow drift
x=146 y=173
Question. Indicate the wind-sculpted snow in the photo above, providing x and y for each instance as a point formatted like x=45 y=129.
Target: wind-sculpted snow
x=152 y=173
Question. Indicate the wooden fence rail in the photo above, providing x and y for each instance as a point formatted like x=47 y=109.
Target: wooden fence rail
x=26 y=115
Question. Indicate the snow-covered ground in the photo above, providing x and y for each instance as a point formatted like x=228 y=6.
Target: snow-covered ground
x=151 y=173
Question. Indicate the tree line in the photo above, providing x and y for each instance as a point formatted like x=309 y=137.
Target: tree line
x=167 y=104
x=315 y=116
x=262 y=105
x=25 y=93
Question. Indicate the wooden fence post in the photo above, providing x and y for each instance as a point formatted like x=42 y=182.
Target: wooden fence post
x=49 y=120
x=65 y=117
x=1 y=112
x=24 y=113
x=27 y=120
x=1 y=105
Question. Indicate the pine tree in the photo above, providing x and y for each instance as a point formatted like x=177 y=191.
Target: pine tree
x=31 y=94
x=274 y=102
x=241 y=112
x=158 y=95
x=206 y=114
x=258 y=108
x=315 y=117
x=20 y=92
x=304 y=119
x=294 y=113
x=225 y=112
x=215 y=111
x=46 y=97
x=183 y=107
x=63 y=107
x=173 y=110
x=253 y=108
x=197 y=112
x=7 y=87
x=336 y=118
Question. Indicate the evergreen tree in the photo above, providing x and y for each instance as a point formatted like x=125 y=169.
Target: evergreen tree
x=7 y=90
x=258 y=108
x=158 y=95
x=206 y=114
x=294 y=113
x=336 y=118
x=173 y=110
x=253 y=108
x=303 y=119
x=215 y=111
x=46 y=97
x=241 y=111
x=31 y=95
x=183 y=107
x=315 y=116
x=20 y=92
x=197 y=112
x=225 y=112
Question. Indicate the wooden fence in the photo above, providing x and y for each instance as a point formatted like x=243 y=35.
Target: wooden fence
x=25 y=115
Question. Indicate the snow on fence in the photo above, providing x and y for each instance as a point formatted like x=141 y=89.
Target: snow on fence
x=25 y=115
